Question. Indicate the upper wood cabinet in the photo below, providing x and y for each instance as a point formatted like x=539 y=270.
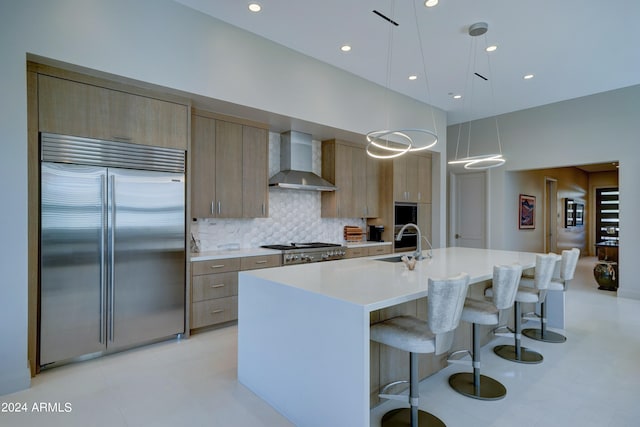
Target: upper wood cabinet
x=412 y=178
x=73 y=108
x=255 y=172
x=356 y=178
x=229 y=169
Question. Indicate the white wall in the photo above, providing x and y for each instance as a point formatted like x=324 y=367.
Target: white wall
x=594 y=129
x=164 y=43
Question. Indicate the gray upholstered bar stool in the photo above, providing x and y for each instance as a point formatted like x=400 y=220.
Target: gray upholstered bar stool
x=568 y=265
x=505 y=285
x=408 y=333
x=545 y=265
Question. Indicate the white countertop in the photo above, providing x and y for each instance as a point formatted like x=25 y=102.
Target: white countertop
x=232 y=253
x=375 y=284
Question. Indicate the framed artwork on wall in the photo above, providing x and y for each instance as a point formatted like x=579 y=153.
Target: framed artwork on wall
x=527 y=212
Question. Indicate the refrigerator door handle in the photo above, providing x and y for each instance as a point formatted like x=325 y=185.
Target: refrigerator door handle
x=112 y=241
x=103 y=237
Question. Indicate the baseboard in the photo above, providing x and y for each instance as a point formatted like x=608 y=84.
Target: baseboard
x=631 y=294
x=12 y=380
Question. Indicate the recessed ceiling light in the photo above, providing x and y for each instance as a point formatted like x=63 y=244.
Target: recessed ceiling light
x=528 y=76
x=457 y=96
x=491 y=48
x=345 y=48
x=430 y=3
x=413 y=77
x=255 y=7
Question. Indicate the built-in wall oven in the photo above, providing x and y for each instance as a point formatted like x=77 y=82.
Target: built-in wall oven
x=405 y=213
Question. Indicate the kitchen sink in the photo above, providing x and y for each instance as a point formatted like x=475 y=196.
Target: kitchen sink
x=391 y=259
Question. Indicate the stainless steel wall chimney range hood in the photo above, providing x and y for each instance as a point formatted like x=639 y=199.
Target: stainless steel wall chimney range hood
x=295 y=165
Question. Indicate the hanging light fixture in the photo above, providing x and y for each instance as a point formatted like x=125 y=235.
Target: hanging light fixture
x=489 y=160
x=388 y=143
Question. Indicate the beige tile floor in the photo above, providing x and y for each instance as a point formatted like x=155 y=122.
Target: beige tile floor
x=591 y=380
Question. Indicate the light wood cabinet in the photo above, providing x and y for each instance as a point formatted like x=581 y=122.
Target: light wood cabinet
x=356 y=252
x=379 y=250
x=203 y=172
x=214 y=287
x=229 y=169
x=262 y=261
x=362 y=251
x=255 y=172
x=73 y=108
x=412 y=178
x=356 y=178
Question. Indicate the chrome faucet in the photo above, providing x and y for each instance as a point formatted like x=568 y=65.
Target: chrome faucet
x=418 y=253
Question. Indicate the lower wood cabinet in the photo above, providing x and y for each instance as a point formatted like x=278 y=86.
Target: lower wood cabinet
x=214 y=287
x=362 y=251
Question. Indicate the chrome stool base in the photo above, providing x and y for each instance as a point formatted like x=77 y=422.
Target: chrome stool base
x=487 y=389
x=526 y=356
x=545 y=336
x=401 y=417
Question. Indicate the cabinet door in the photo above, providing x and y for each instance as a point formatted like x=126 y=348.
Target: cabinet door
x=411 y=178
x=255 y=171
x=400 y=179
x=373 y=187
x=343 y=175
x=424 y=222
x=203 y=177
x=359 y=180
x=73 y=108
x=228 y=170
x=424 y=179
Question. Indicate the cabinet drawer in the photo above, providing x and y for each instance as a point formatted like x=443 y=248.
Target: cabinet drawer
x=356 y=252
x=380 y=250
x=263 y=261
x=210 y=312
x=208 y=286
x=215 y=266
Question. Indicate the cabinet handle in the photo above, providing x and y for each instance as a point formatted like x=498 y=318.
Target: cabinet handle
x=264 y=210
x=219 y=205
x=221 y=285
x=212 y=208
x=216 y=311
x=217 y=266
x=261 y=262
x=419 y=195
x=121 y=138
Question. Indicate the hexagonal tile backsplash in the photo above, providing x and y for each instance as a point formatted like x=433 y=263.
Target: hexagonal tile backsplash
x=294 y=216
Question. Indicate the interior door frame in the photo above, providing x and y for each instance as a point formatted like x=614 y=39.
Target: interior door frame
x=453 y=207
x=550 y=214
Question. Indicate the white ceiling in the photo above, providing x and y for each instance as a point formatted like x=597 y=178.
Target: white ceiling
x=574 y=47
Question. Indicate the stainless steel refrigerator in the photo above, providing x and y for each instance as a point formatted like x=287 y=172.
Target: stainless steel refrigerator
x=112 y=246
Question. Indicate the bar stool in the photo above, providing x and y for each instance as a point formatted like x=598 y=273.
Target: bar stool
x=505 y=286
x=408 y=333
x=568 y=265
x=542 y=277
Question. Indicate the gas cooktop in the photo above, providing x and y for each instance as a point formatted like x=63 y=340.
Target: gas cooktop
x=298 y=253
x=310 y=245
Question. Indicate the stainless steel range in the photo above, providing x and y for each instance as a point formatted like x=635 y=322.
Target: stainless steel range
x=300 y=253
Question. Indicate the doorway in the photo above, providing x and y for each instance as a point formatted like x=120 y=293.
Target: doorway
x=551 y=215
x=469 y=210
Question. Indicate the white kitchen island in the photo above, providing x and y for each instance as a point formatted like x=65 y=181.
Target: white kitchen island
x=303 y=330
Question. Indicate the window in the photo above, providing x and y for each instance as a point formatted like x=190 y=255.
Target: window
x=607 y=212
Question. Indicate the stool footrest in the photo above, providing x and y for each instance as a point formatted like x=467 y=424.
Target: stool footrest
x=504 y=331
x=401 y=397
x=457 y=357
